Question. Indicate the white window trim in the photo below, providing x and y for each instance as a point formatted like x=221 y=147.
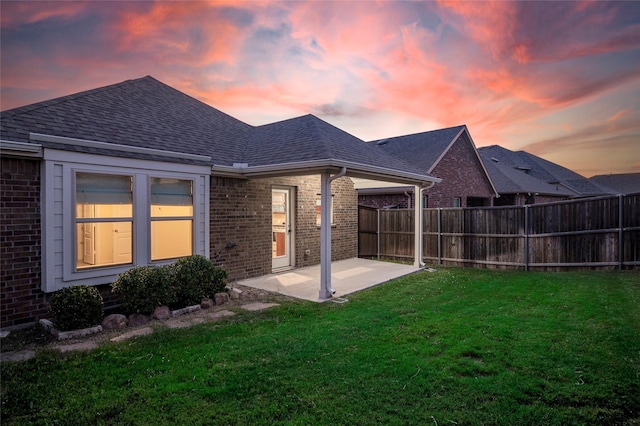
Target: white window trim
x=58 y=213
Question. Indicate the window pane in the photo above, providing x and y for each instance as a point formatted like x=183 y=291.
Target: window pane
x=319 y=209
x=94 y=188
x=103 y=244
x=171 y=192
x=105 y=211
x=171 y=238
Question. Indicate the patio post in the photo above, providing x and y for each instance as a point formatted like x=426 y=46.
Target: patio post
x=326 y=291
x=417 y=248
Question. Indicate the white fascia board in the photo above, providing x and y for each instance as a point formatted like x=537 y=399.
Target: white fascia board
x=20 y=148
x=114 y=146
x=369 y=184
x=317 y=166
x=82 y=158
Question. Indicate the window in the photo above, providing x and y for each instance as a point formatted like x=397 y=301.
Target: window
x=103 y=219
x=456 y=201
x=425 y=201
x=319 y=209
x=171 y=218
x=102 y=215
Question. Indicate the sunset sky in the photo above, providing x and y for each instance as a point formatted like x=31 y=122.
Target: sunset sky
x=560 y=80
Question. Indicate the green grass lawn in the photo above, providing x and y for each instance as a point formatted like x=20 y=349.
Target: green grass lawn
x=456 y=346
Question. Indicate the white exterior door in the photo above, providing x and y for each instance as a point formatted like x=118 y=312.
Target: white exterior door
x=282 y=228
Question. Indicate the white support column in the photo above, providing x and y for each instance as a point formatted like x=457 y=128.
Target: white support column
x=325 y=237
x=417 y=191
x=326 y=291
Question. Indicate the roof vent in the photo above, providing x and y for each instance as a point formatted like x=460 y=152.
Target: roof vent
x=525 y=168
x=495 y=160
x=382 y=142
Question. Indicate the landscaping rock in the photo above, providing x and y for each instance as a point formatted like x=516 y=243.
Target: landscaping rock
x=114 y=322
x=70 y=334
x=186 y=310
x=221 y=298
x=74 y=334
x=235 y=293
x=138 y=319
x=206 y=303
x=161 y=313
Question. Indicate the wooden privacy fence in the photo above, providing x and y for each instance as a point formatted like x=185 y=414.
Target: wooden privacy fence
x=601 y=232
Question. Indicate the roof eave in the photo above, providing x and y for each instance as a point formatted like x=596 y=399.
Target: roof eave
x=20 y=149
x=354 y=169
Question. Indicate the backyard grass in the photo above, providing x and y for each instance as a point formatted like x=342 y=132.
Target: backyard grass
x=455 y=346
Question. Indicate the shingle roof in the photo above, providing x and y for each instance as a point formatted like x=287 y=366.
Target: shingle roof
x=143 y=113
x=309 y=138
x=621 y=183
x=146 y=113
x=521 y=172
x=422 y=149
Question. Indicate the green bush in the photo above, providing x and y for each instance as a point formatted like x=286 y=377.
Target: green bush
x=197 y=277
x=143 y=288
x=76 y=307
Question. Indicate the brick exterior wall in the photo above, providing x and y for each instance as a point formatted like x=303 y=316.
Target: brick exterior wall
x=241 y=214
x=21 y=299
x=382 y=201
x=462 y=176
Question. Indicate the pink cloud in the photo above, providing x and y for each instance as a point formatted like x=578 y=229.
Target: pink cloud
x=25 y=12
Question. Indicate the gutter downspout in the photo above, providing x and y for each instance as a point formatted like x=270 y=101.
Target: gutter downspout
x=326 y=291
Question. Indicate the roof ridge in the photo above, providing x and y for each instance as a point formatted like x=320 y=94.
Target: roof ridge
x=419 y=133
x=66 y=98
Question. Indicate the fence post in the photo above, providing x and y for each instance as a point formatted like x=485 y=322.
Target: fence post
x=440 y=235
x=378 y=233
x=620 y=232
x=526 y=237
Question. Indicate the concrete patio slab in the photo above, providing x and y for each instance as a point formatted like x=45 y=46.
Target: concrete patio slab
x=347 y=276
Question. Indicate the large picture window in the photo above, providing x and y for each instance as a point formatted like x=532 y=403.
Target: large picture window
x=103 y=215
x=171 y=218
x=103 y=220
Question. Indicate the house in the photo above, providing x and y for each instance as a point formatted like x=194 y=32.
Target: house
x=621 y=183
x=448 y=154
x=522 y=178
x=138 y=173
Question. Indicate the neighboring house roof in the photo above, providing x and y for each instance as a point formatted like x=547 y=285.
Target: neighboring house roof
x=426 y=149
x=161 y=121
x=621 y=183
x=518 y=172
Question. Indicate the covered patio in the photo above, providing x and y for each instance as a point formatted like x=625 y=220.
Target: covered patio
x=347 y=276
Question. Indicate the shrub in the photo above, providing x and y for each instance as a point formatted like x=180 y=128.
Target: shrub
x=197 y=277
x=76 y=307
x=143 y=288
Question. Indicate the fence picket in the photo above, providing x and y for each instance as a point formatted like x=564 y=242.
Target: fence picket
x=600 y=232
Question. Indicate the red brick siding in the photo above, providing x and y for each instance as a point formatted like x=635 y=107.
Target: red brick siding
x=462 y=176
x=21 y=299
x=382 y=201
x=241 y=214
